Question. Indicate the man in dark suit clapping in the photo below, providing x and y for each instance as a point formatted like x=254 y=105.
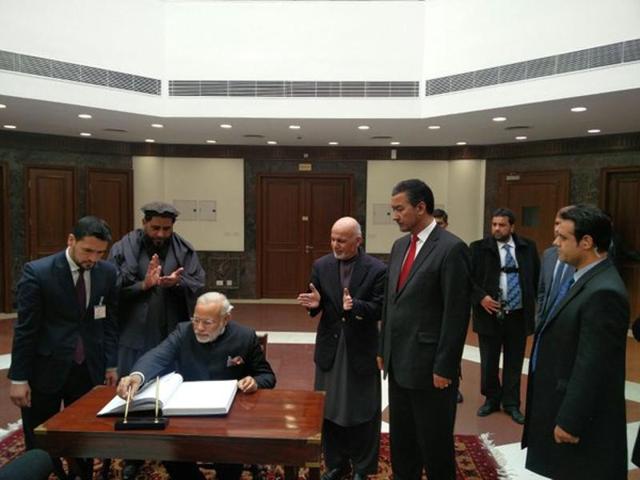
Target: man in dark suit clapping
x=424 y=325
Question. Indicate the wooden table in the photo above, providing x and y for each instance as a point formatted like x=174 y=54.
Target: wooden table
x=267 y=427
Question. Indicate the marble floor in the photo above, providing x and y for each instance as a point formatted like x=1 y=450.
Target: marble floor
x=290 y=352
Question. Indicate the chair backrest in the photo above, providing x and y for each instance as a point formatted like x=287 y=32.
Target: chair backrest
x=262 y=340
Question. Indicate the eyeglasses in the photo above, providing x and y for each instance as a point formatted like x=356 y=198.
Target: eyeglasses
x=205 y=322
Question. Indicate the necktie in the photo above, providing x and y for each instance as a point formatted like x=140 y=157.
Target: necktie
x=81 y=297
x=513 y=282
x=562 y=292
x=555 y=287
x=408 y=262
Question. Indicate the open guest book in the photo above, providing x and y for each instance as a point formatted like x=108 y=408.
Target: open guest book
x=177 y=397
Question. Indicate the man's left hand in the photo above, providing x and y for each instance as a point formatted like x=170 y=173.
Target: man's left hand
x=347 y=301
x=171 y=280
x=111 y=377
x=247 y=385
x=562 y=436
x=440 y=382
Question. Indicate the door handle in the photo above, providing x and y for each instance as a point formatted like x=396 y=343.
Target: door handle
x=308 y=248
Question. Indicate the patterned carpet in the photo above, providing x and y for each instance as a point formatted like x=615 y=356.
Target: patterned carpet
x=474 y=462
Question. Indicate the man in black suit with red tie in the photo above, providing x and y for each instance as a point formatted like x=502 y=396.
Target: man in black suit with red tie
x=347 y=286
x=65 y=339
x=424 y=325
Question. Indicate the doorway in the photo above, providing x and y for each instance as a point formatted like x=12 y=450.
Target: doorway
x=535 y=198
x=295 y=215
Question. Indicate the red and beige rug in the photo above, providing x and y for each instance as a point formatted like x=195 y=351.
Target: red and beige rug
x=473 y=457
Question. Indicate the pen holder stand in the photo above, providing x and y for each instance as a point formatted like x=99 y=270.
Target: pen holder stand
x=141 y=423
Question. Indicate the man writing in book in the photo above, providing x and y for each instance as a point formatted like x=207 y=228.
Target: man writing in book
x=210 y=348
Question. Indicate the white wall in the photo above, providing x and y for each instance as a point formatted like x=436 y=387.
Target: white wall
x=458 y=187
x=121 y=35
x=222 y=180
x=466 y=35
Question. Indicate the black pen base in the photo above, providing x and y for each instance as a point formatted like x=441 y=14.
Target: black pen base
x=141 y=423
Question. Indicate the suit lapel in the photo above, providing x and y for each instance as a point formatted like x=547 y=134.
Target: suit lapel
x=358 y=273
x=395 y=264
x=575 y=289
x=335 y=292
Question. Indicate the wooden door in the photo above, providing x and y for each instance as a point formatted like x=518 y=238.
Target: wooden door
x=295 y=215
x=51 y=209
x=110 y=197
x=5 y=242
x=535 y=198
x=620 y=197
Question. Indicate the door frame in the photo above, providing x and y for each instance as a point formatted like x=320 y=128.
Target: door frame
x=6 y=241
x=129 y=173
x=260 y=220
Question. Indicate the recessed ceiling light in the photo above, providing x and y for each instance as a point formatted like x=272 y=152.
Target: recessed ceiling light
x=521 y=137
x=333 y=143
x=157 y=125
x=394 y=143
x=2 y=105
x=85 y=115
x=294 y=127
x=461 y=143
x=363 y=127
x=85 y=134
x=210 y=141
x=434 y=127
x=10 y=127
x=226 y=125
x=593 y=130
x=149 y=140
x=499 y=119
x=271 y=142
x=578 y=109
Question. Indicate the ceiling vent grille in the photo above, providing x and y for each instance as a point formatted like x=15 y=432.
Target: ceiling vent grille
x=46 y=67
x=602 y=56
x=287 y=88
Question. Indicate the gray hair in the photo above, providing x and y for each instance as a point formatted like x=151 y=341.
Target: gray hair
x=216 y=297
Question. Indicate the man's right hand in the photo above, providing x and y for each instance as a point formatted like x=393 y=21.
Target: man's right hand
x=490 y=305
x=130 y=382
x=20 y=394
x=310 y=300
x=380 y=362
x=152 y=277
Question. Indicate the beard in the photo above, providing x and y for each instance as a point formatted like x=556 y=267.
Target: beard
x=210 y=337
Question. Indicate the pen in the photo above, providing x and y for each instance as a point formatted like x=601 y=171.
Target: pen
x=157 y=396
x=126 y=406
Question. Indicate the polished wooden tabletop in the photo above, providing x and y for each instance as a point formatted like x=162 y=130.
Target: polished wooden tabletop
x=269 y=426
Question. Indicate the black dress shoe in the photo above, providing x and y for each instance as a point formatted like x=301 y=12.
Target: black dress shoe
x=333 y=474
x=487 y=408
x=515 y=415
x=460 y=398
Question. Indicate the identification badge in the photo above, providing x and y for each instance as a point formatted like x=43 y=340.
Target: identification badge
x=99 y=312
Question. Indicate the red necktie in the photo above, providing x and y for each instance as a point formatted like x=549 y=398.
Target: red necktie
x=408 y=262
x=81 y=296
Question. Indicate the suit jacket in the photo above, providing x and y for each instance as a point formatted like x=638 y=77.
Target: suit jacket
x=233 y=355
x=360 y=324
x=579 y=382
x=424 y=324
x=49 y=322
x=549 y=259
x=485 y=274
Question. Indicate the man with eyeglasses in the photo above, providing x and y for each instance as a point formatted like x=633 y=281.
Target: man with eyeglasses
x=211 y=347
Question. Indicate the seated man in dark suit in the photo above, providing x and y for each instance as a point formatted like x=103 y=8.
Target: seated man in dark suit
x=210 y=348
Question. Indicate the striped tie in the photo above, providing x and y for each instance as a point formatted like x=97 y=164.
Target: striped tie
x=514 y=295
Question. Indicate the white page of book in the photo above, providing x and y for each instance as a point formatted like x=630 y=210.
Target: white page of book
x=202 y=398
x=169 y=383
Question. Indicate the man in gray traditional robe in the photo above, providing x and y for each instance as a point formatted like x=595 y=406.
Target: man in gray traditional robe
x=348 y=288
x=160 y=278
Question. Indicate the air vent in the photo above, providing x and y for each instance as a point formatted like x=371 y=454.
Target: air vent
x=518 y=127
x=381 y=137
x=602 y=56
x=253 y=135
x=288 y=88
x=115 y=130
x=46 y=67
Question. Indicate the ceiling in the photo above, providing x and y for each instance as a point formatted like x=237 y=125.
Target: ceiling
x=611 y=113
